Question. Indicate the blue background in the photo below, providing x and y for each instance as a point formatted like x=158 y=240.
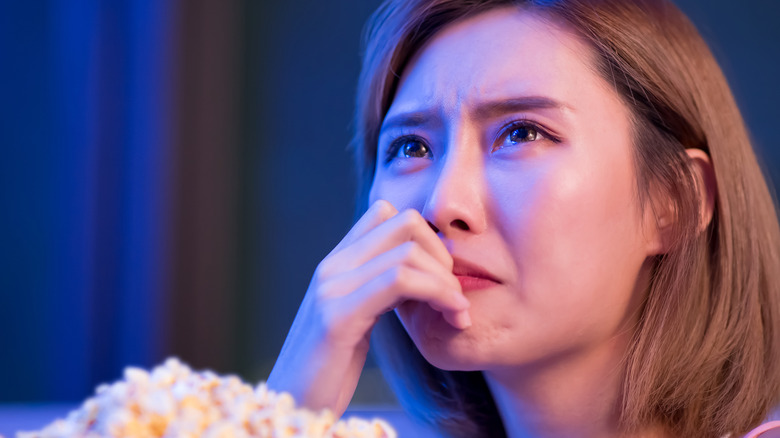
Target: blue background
x=172 y=173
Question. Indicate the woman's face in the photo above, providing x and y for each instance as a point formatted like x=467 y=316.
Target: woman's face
x=505 y=138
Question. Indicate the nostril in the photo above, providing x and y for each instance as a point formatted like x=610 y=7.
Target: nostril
x=433 y=227
x=460 y=224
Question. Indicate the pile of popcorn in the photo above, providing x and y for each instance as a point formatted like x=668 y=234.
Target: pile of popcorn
x=174 y=401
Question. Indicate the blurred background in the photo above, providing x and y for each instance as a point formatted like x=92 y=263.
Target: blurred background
x=173 y=171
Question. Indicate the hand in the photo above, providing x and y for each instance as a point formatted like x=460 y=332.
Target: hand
x=385 y=259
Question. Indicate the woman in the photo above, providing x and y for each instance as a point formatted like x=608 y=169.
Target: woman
x=568 y=231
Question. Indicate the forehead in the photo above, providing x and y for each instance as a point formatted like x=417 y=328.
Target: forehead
x=505 y=52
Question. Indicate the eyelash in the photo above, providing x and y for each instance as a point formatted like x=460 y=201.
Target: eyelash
x=396 y=145
x=506 y=129
x=523 y=124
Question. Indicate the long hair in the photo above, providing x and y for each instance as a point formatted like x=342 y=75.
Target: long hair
x=703 y=360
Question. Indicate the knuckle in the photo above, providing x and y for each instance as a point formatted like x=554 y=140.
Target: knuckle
x=410 y=215
x=411 y=219
x=326 y=290
x=409 y=250
x=318 y=277
x=383 y=209
x=324 y=269
x=398 y=275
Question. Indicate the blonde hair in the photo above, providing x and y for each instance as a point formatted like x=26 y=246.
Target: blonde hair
x=703 y=358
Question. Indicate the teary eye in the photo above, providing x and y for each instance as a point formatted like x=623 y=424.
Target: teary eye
x=520 y=132
x=523 y=134
x=414 y=149
x=408 y=147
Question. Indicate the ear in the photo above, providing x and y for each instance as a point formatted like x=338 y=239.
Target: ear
x=701 y=164
x=661 y=218
x=658 y=220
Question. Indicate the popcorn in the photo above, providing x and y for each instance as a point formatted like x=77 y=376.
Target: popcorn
x=175 y=402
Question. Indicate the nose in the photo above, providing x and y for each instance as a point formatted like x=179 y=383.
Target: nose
x=456 y=203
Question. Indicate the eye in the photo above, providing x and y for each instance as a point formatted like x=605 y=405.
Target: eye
x=523 y=134
x=408 y=147
x=519 y=132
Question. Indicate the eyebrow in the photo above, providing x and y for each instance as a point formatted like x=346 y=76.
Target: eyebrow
x=493 y=109
x=406 y=120
x=483 y=111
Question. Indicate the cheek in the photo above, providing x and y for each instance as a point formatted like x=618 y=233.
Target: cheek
x=406 y=191
x=573 y=234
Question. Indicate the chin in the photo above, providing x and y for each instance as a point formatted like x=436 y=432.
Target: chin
x=441 y=344
x=448 y=360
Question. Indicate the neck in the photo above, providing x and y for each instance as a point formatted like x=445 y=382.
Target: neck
x=575 y=396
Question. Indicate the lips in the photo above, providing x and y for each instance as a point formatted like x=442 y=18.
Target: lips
x=472 y=276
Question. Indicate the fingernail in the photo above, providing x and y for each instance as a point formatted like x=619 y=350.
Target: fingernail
x=463 y=319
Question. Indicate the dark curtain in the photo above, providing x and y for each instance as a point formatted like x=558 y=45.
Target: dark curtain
x=85 y=181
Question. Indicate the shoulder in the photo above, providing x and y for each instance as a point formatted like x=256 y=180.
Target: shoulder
x=766 y=430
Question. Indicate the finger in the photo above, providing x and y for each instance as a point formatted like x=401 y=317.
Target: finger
x=409 y=253
x=403 y=283
x=408 y=225
x=461 y=319
x=377 y=213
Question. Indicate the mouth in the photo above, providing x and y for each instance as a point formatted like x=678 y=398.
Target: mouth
x=472 y=276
